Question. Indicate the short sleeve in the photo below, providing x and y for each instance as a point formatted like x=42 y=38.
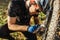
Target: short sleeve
x=13 y=8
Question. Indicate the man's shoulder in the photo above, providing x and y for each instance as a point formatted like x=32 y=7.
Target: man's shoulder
x=18 y=2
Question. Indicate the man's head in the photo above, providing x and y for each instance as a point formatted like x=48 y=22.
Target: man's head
x=34 y=6
x=36 y=1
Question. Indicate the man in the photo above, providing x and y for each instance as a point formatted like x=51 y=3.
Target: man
x=19 y=17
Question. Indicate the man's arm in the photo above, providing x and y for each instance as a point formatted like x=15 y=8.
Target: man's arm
x=12 y=11
x=12 y=8
x=14 y=27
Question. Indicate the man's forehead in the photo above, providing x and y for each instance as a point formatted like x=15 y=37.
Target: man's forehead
x=32 y=0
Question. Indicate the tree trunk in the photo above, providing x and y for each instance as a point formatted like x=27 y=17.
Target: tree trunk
x=54 y=21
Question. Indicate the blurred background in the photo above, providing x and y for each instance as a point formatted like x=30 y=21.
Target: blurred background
x=3 y=10
x=16 y=35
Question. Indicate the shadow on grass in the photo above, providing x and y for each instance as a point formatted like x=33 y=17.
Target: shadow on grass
x=4 y=32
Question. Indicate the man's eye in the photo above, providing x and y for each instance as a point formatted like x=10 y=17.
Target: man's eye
x=33 y=3
x=37 y=10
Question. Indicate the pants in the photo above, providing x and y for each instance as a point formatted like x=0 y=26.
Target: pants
x=4 y=33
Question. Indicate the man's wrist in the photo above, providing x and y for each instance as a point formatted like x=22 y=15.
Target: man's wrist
x=32 y=28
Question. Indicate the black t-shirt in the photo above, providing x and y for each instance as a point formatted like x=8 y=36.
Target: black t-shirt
x=18 y=8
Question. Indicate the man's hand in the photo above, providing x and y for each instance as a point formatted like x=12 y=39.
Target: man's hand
x=33 y=9
x=42 y=29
